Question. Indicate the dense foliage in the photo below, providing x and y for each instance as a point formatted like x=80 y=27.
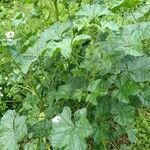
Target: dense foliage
x=74 y=75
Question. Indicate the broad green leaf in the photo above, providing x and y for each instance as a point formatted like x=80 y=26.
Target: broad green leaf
x=30 y=106
x=130 y=39
x=80 y=38
x=144 y=97
x=141 y=75
x=64 y=46
x=139 y=68
x=137 y=63
x=95 y=92
x=116 y=3
x=40 y=129
x=52 y=33
x=68 y=134
x=110 y=25
x=93 y=85
x=102 y=128
x=63 y=92
x=101 y=134
x=123 y=113
x=92 y=11
x=79 y=23
x=68 y=90
x=126 y=88
x=137 y=31
x=92 y=98
x=31 y=145
x=103 y=109
x=12 y=130
x=132 y=135
x=139 y=12
x=125 y=45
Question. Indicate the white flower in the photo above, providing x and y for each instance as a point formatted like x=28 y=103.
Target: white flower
x=6 y=78
x=9 y=35
x=56 y=119
x=0 y=88
x=1 y=95
x=10 y=40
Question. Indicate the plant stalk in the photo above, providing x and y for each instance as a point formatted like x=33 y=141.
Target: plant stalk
x=56 y=10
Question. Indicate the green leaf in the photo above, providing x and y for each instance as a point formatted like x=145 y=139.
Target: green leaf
x=63 y=92
x=137 y=63
x=96 y=91
x=139 y=68
x=80 y=38
x=68 y=134
x=40 y=129
x=116 y=3
x=30 y=106
x=144 y=97
x=101 y=134
x=92 y=11
x=64 y=46
x=137 y=31
x=31 y=145
x=103 y=109
x=139 y=12
x=93 y=85
x=12 y=130
x=68 y=90
x=132 y=135
x=79 y=23
x=130 y=39
x=102 y=127
x=54 y=32
x=110 y=25
x=126 y=88
x=123 y=113
x=92 y=98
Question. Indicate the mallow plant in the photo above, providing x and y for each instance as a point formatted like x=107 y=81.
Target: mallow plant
x=75 y=81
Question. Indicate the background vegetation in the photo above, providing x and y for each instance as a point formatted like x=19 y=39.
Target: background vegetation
x=74 y=75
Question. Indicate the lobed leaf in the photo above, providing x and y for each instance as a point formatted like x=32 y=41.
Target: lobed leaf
x=71 y=135
x=12 y=130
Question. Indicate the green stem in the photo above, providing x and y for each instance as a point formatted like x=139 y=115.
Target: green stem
x=10 y=102
x=56 y=10
x=25 y=88
x=29 y=77
x=32 y=86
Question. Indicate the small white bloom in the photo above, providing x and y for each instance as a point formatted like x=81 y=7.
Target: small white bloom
x=10 y=35
x=1 y=95
x=10 y=40
x=0 y=88
x=56 y=119
x=33 y=69
x=6 y=78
